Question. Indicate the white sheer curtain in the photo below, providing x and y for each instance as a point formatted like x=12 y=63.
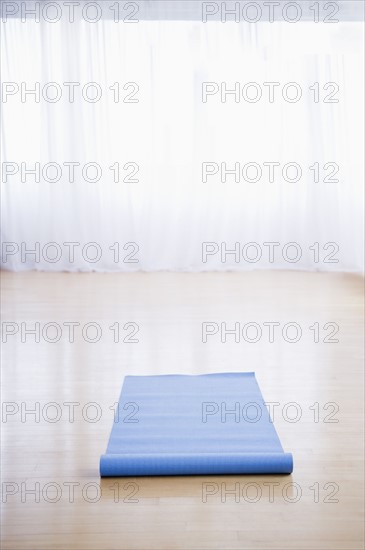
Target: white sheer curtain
x=163 y=218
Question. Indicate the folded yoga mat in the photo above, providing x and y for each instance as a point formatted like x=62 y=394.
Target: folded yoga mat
x=193 y=424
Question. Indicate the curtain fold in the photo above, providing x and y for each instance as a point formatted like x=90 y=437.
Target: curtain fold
x=153 y=133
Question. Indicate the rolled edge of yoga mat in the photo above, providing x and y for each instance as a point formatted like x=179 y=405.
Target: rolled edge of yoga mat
x=113 y=465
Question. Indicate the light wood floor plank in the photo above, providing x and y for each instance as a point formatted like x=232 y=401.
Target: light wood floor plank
x=176 y=512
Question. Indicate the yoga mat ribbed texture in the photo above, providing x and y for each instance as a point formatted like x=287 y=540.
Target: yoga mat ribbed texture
x=193 y=424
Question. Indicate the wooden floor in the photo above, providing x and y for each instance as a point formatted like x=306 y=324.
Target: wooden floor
x=320 y=506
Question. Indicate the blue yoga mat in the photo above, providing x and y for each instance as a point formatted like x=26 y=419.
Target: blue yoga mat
x=193 y=424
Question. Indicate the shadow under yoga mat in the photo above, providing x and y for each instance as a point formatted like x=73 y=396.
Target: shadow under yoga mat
x=193 y=424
